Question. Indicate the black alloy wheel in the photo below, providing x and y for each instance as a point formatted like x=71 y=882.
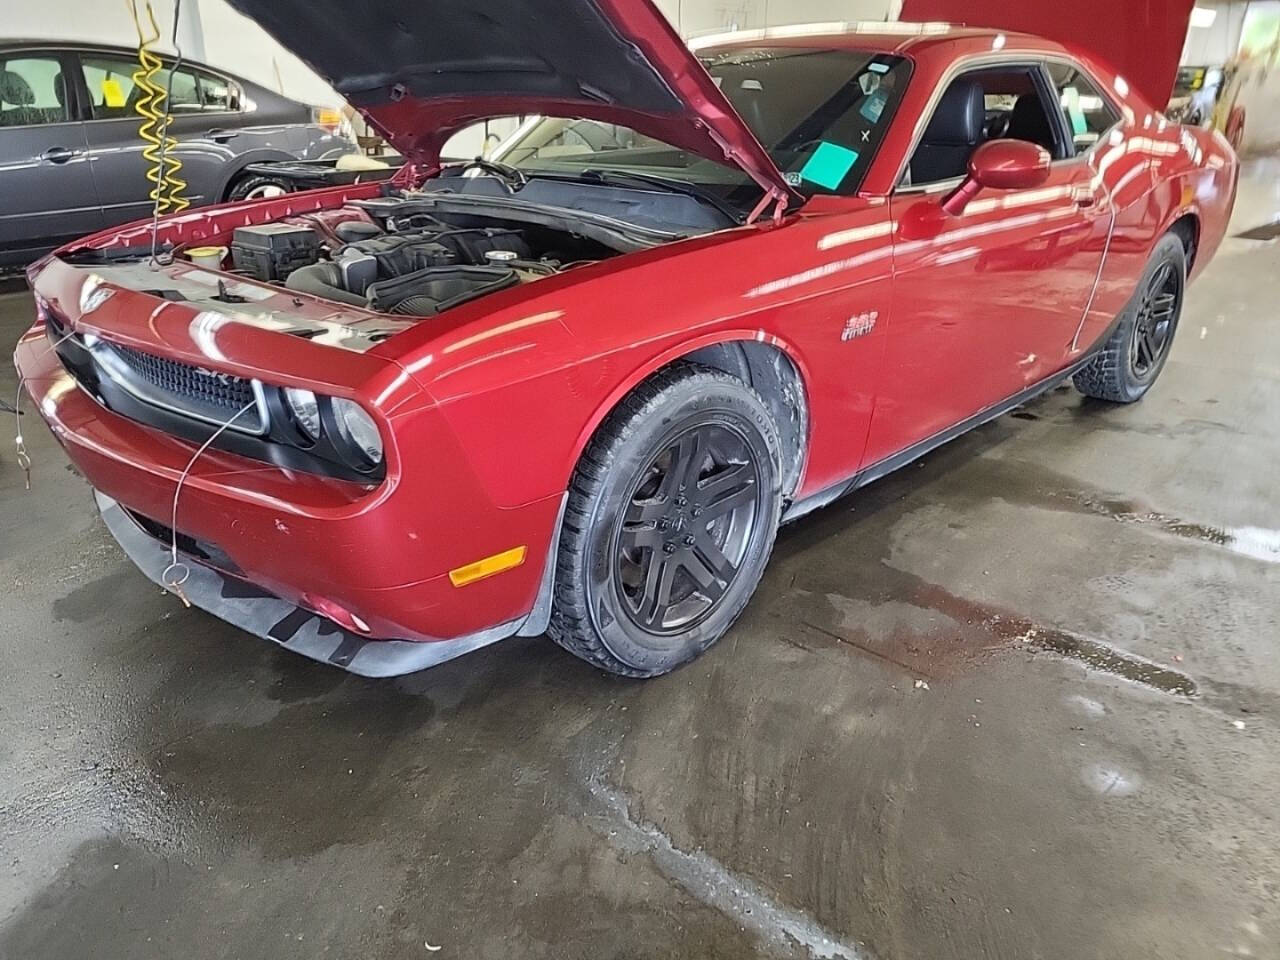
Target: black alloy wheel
x=1123 y=368
x=682 y=538
x=1155 y=320
x=669 y=523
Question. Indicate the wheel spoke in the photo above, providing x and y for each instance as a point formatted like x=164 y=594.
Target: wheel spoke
x=656 y=599
x=1162 y=307
x=1145 y=349
x=646 y=511
x=1159 y=279
x=709 y=585
x=710 y=556
x=639 y=536
x=1155 y=343
x=690 y=456
x=733 y=487
x=673 y=478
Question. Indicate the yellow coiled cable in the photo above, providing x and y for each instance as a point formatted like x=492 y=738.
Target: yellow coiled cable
x=160 y=152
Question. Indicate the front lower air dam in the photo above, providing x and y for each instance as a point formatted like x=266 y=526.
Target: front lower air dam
x=289 y=625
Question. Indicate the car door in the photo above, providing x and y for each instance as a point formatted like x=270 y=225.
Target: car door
x=115 y=144
x=986 y=303
x=47 y=195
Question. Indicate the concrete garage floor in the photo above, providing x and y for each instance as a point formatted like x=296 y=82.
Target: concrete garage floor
x=1060 y=579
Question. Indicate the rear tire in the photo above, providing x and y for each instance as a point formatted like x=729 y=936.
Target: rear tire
x=1134 y=355
x=671 y=518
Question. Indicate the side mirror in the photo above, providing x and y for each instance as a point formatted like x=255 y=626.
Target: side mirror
x=1000 y=165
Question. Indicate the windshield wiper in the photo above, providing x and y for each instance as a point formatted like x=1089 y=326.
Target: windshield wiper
x=676 y=186
x=514 y=179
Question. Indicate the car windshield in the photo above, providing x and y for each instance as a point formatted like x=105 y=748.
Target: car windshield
x=821 y=114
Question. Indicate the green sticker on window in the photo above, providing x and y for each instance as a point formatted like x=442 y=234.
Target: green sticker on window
x=1075 y=111
x=828 y=165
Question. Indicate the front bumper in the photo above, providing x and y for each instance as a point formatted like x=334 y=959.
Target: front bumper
x=292 y=627
x=379 y=553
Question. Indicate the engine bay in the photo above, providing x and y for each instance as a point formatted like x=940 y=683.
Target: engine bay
x=407 y=258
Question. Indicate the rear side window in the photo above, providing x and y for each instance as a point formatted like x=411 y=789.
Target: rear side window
x=1088 y=112
x=32 y=92
x=217 y=94
x=114 y=93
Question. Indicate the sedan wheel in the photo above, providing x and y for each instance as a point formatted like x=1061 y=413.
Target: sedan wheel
x=257 y=188
x=670 y=522
x=264 y=190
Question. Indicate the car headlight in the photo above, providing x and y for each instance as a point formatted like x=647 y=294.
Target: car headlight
x=305 y=409
x=358 y=430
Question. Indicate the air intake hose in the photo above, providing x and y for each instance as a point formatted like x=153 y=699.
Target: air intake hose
x=323 y=279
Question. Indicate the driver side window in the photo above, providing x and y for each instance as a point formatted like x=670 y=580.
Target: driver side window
x=994 y=103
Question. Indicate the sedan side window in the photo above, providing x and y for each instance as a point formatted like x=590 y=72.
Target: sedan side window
x=217 y=95
x=1089 y=114
x=32 y=91
x=113 y=95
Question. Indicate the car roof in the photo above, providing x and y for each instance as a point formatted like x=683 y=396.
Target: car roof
x=889 y=36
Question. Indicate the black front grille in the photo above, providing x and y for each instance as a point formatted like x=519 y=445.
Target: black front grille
x=216 y=398
x=206 y=389
x=193 y=403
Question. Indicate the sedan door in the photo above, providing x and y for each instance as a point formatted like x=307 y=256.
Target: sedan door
x=47 y=195
x=204 y=146
x=986 y=303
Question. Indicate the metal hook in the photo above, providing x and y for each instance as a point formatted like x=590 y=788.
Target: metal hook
x=174 y=576
x=24 y=461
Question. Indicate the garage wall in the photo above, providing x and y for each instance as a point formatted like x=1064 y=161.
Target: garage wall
x=694 y=17
x=1260 y=95
x=240 y=46
x=220 y=36
x=230 y=41
x=1220 y=42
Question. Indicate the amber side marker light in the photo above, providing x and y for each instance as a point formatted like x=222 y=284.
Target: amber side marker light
x=487 y=567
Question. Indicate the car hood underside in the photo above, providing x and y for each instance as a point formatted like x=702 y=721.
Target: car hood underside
x=420 y=72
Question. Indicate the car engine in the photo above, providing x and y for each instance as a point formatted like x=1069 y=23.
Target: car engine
x=413 y=265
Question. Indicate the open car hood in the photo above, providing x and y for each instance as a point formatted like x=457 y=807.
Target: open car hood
x=1143 y=41
x=420 y=71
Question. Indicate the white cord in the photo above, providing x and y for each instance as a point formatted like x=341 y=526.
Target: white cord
x=177 y=573
x=24 y=458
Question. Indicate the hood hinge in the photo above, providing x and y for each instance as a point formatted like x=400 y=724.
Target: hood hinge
x=413 y=175
x=773 y=194
x=775 y=197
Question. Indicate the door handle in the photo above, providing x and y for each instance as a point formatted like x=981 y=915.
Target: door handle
x=1085 y=199
x=57 y=155
x=220 y=136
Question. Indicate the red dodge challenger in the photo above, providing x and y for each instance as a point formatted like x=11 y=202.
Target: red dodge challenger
x=576 y=388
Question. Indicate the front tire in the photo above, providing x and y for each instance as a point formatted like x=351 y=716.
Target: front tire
x=1135 y=354
x=671 y=518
